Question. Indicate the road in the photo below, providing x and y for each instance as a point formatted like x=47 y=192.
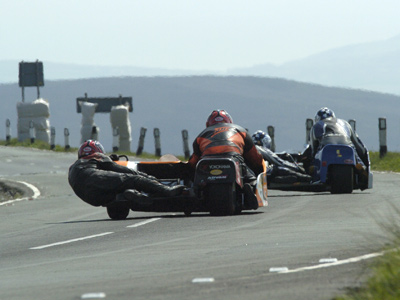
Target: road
x=54 y=246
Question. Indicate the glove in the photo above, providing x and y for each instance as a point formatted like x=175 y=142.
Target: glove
x=114 y=157
x=146 y=175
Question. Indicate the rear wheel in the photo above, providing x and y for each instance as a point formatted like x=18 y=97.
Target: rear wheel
x=118 y=212
x=342 y=179
x=221 y=199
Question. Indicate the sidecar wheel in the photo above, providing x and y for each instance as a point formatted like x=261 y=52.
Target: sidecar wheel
x=117 y=212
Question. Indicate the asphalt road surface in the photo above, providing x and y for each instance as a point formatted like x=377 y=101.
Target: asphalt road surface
x=54 y=246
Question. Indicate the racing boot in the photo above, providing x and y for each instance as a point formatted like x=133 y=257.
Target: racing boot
x=362 y=175
x=134 y=197
x=250 y=199
x=157 y=189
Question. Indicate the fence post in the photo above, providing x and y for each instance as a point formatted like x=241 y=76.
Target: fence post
x=52 y=138
x=271 y=133
x=32 y=133
x=309 y=125
x=8 y=131
x=115 y=139
x=95 y=133
x=66 y=138
x=185 y=137
x=141 y=140
x=382 y=137
x=157 y=141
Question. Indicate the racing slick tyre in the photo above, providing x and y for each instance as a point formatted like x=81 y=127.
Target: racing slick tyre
x=118 y=212
x=221 y=199
x=342 y=179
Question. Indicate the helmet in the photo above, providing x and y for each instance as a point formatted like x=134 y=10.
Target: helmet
x=261 y=138
x=90 y=147
x=218 y=116
x=324 y=113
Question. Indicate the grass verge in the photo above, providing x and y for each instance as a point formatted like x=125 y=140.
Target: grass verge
x=384 y=282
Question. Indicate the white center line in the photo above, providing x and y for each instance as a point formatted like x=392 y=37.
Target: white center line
x=71 y=241
x=143 y=223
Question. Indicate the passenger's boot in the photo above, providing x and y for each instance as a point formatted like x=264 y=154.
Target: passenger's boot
x=156 y=189
x=136 y=197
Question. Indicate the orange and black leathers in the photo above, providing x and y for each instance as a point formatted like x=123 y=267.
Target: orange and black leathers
x=227 y=139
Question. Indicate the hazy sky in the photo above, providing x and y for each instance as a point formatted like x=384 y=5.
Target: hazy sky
x=188 y=34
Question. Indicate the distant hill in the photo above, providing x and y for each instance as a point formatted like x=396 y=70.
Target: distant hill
x=176 y=103
x=61 y=71
x=372 y=66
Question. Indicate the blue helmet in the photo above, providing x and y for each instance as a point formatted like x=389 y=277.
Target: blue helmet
x=262 y=139
x=323 y=114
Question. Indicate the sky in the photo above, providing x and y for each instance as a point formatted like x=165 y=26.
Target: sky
x=188 y=34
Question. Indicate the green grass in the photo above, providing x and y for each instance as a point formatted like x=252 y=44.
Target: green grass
x=390 y=162
x=45 y=146
x=384 y=282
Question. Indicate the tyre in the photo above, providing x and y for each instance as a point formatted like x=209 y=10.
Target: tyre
x=342 y=179
x=221 y=199
x=118 y=212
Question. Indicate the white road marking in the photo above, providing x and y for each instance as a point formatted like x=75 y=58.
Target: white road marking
x=327 y=260
x=336 y=263
x=71 y=241
x=35 y=190
x=203 y=280
x=278 y=269
x=143 y=223
x=93 y=296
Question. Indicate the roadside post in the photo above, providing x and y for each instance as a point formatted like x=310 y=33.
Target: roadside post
x=95 y=133
x=157 y=141
x=139 y=150
x=271 y=133
x=382 y=137
x=8 y=131
x=185 y=137
x=52 y=138
x=309 y=125
x=66 y=138
x=32 y=133
x=115 y=139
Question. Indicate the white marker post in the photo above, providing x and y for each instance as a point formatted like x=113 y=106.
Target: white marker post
x=66 y=138
x=157 y=141
x=141 y=141
x=8 y=130
x=52 y=138
x=115 y=139
x=185 y=137
x=271 y=133
x=382 y=137
x=309 y=125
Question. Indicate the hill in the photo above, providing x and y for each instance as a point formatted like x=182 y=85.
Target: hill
x=374 y=66
x=176 y=103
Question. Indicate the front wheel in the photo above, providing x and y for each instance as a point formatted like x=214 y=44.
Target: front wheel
x=342 y=179
x=118 y=212
x=221 y=199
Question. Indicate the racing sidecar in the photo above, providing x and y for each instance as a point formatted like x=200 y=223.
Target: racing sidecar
x=216 y=187
x=334 y=168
